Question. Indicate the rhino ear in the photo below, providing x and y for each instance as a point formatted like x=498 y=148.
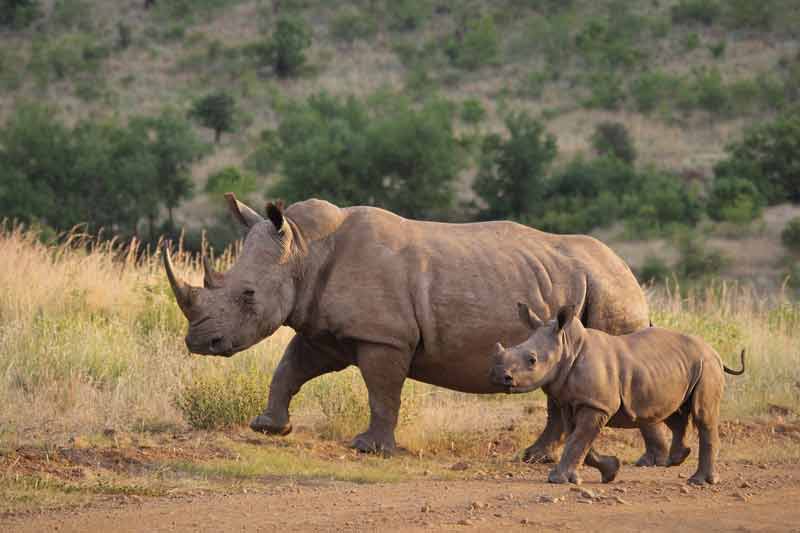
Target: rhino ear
x=243 y=214
x=275 y=215
x=565 y=316
x=528 y=317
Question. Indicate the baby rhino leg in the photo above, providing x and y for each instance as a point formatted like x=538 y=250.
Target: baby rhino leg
x=678 y=423
x=705 y=413
x=608 y=465
x=586 y=425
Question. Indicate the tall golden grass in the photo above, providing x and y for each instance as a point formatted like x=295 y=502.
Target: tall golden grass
x=91 y=339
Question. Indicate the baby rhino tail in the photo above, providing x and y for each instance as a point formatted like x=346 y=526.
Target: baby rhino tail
x=735 y=372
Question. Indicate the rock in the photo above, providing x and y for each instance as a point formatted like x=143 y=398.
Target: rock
x=426 y=508
x=584 y=500
x=621 y=490
x=620 y=501
x=682 y=475
x=685 y=490
x=478 y=505
x=525 y=521
x=548 y=499
x=460 y=466
x=587 y=493
x=465 y=522
x=745 y=485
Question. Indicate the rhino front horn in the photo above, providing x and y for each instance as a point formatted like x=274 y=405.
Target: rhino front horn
x=183 y=292
x=499 y=350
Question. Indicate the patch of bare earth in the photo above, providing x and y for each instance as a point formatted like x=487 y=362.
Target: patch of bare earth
x=759 y=469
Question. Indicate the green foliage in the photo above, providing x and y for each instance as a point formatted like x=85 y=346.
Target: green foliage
x=472 y=111
x=695 y=11
x=215 y=111
x=351 y=24
x=231 y=179
x=697 y=260
x=652 y=88
x=612 y=138
x=476 y=47
x=407 y=15
x=606 y=91
x=385 y=152
x=123 y=36
x=19 y=13
x=610 y=43
x=286 y=50
x=654 y=270
x=706 y=90
x=222 y=400
x=769 y=157
x=659 y=203
x=749 y=14
x=790 y=236
x=717 y=49
x=512 y=171
x=734 y=200
x=72 y=15
x=692 y=42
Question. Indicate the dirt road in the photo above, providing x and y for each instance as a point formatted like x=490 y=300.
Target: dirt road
x=751 y=498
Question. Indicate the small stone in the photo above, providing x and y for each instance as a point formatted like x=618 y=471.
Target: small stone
x=621 y=490
x=587 y=493
x=762 y=467
x=584 y=500
x=685 y=490
x=478 y=505
x=465 y=522
x=682 y=475
x=525 y=521
x=745 y=485
x=426 y=508
x=620 y=501
x=460 y=466
x=548 y=499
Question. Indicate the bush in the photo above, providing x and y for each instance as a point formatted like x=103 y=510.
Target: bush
x=609 y=44
x=231 y=179
x=654 y=270
x=215 y=111
x=512 y=171
x=407 y=15
x=72 y=14
x=350 y=24
x=734 y=200
x=478 y=46
x=748 y=14
x=19 y=13
x=768 y=156
x=215 y=401
x=696 y=259
x=652 y=88
x=472 y=111
x=659 y=202
x=612 y=138
x=606 y=91
x=790 y=236
x=286 y=51
x=706 y=90
x=700 y=11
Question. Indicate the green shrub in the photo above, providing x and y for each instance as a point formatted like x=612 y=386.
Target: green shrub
x=286 y=51
x=654 y=270
x=215 y=111
x=696 y=259
x=734 y=200
x=790 y=236
x=609 y=44
x=699 y=11
x=717 y=49
x=350 y=24
x=653 y=88
x=512 y=171
x=659 y=202
x=768 y=157
x=612 y=138
x=19 y=13
x=407 y=15
x=72 y=14
x=706 y=90
x=692 y=42
x=478 y=46
x=123 y=35
x=220 y=400
x=532 y=85
x=606 y=91
x=472 y=111
x=231 y=179
x=750 y=14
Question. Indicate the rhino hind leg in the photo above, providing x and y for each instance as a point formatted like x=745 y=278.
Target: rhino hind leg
x=300 y=363
x=384 y=370
x=705 y=415
x=545 y=449
x=678 y=423
x=608 y=465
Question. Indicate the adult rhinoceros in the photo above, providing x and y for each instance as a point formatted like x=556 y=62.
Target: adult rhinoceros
x=399 y=299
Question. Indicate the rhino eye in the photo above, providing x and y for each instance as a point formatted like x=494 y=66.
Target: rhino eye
x=249 y=296
x=532 y=359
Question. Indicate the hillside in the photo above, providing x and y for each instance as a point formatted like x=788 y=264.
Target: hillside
x=684 y=77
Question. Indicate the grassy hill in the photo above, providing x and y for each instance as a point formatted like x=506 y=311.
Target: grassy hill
x=685 y=77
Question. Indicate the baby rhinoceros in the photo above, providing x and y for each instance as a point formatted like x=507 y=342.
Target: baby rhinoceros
x=628 y=381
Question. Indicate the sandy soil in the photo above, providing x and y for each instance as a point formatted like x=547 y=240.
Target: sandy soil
x=751 y=497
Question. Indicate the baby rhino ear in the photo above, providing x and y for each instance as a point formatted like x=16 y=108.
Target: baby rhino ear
x=565 y=316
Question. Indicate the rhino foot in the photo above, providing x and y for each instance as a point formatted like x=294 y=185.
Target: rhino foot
x=609 y=469
x=653 y=459
x=266 y=424
x=560 y=478
x=676 y=458
x=370 y=443
x=700 y=478
x=538 y=454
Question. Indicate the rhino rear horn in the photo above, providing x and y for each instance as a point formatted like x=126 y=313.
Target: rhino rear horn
x=211 y=278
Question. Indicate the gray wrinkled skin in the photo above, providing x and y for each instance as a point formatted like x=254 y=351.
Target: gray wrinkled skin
x=633 y=380
x=399 y=299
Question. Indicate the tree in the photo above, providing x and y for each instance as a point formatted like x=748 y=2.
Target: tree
x=286 y=50
x=215 y=111
x=734 y=200
x=769 y=157
x=612 y=138
x=512 y=171
x=385 y=152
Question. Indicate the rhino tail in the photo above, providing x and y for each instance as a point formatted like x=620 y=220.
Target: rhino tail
x=651 y=322
x=735 y=372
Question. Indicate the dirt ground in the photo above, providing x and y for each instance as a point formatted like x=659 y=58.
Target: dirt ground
x=751 y=497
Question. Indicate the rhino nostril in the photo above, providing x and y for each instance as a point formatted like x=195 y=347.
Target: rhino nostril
x=216 y=343
x=508 y=379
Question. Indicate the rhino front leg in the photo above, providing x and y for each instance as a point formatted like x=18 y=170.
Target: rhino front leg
x=384 y=370
x=545 y=449
x=300 y=363
x=586 y=427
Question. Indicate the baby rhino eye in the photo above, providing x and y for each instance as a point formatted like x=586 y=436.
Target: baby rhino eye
x=532 y=359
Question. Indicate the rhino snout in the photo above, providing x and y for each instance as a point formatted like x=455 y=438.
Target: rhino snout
x=216 y=345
